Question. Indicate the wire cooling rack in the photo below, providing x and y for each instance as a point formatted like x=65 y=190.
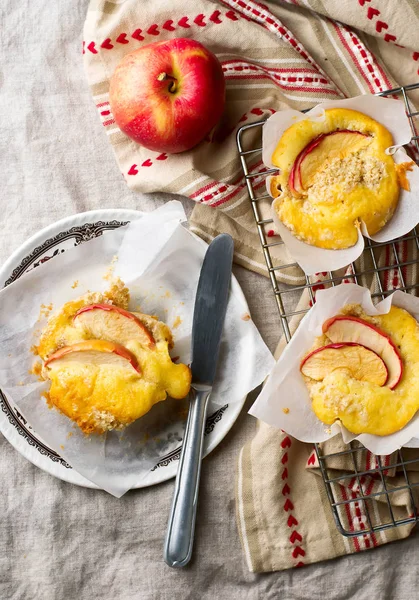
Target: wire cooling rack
x=362 y=466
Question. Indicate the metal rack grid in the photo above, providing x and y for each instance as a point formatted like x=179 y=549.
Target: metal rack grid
x=286 y=296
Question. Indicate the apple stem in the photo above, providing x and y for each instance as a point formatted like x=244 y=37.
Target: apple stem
x=172 y=85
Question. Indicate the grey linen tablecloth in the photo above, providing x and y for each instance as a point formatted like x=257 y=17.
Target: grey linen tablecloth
x=58 y=541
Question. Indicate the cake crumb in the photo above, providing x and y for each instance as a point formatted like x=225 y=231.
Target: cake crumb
x=246 y=317
x=44 y=310
x=36 y=369
x=176 y=322
x=167 y=294
x=109 y=273
x=69 y=435
x=33 y=349
x=75 y=284
x=285 y=410
x=62 y=447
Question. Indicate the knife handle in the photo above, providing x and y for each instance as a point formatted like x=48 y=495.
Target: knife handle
x=181 y=527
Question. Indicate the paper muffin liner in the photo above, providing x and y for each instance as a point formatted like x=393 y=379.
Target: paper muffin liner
x=285 y=401
x=390 y=113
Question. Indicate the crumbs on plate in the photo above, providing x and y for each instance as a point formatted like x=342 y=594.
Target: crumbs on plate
x=285 y=411
x=176 y=322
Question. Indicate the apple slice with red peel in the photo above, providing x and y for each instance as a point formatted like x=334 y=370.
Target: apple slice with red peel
x=318 y=151
x=294 y=180
x=345 y=328
x=99 y=352
x=362 y=363
x=109 y=322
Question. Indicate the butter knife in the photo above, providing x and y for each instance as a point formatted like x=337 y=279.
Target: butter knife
x=209 y=313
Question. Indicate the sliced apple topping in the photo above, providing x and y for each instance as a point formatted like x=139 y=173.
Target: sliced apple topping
x=344 y=328
x=109 y=322
x=98 y=352
x=318 y=151
x=362 y=363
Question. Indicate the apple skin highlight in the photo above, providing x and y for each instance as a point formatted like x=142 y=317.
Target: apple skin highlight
x=167 y=96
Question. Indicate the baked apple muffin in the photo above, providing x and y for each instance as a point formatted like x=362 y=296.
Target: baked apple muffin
x=364 y=370
x=335 y=173
x=108 y=366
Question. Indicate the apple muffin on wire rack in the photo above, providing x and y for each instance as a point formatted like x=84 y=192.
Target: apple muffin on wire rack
x=334 y=173
x=108 y=366
x=364 y=370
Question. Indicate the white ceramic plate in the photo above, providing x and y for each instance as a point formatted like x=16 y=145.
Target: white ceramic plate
x=43 y=246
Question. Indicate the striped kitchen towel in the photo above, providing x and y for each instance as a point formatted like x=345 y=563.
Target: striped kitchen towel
x=275 y=55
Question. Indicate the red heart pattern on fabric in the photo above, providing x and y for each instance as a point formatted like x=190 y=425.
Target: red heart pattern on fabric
x=147 y=163
x=298 y=551
x=153 y=29
x=284 y=474
x=122 y=38
x=380 y=25
x=168 y=25
x=284 y=459
x=372 y=12
x=389 y=37
x=162 y=156
x=199 y=20
x=184 y=22
x=286 y=442
x=231 y=15
x=133 y=170
x=137 y=35
x=288 y=505
x=295 y=536
x=286 y=490
x=415 y=55
x=215 y=17
x=312 y=459
x=257 y=111
x=107 y=44
x=92 y=48
x=292 y=521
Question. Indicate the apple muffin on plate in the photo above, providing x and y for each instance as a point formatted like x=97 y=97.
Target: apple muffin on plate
x=335 y=173
x=108 y=366
x=364 y=370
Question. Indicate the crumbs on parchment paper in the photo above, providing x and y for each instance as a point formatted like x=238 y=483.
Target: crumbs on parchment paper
x=245 y=317
x=108 y=276
x=285 y=410
x=176 y=322
x=75 y=284
x=36 y=370
x=44 y=310
x=34 y=349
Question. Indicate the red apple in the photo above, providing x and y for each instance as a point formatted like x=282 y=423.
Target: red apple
x=93 y=351
x=344 y=328
x=109 y=322
x=167 y=96
x=362 y=363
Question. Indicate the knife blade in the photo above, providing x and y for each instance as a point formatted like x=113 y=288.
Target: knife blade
x=208 y=320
